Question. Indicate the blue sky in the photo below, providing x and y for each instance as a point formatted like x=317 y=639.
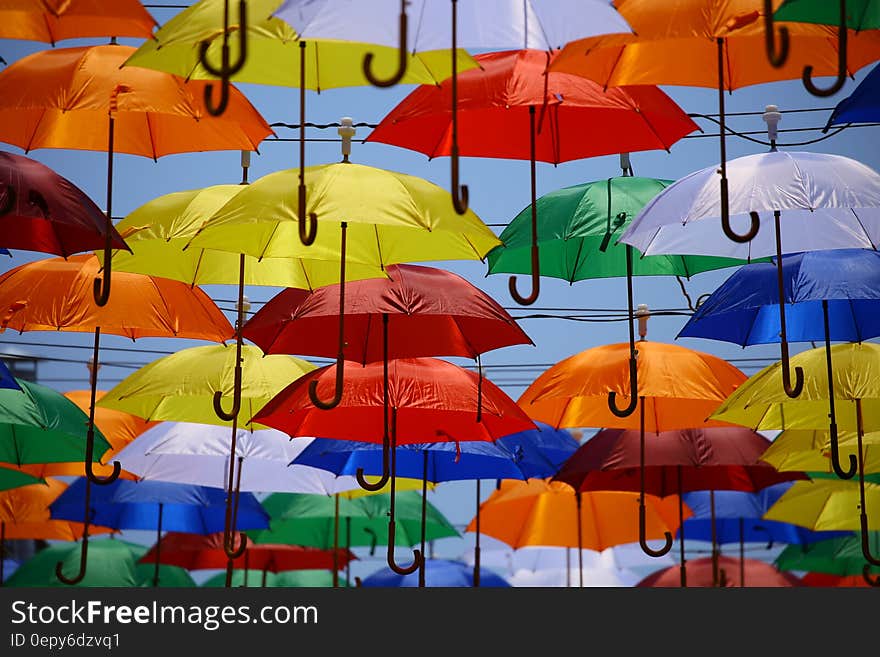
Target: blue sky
x=499 y=189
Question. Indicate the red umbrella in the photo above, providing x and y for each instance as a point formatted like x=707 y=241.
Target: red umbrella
x=416 y=311
x=429 y=400
x=678 y=461
x=748 y=572
x=46 y=212
x=826 y=580
x=496 y=117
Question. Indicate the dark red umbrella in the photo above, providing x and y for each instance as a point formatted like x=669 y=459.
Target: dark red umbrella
x=428 y=400
x=675 y=462
x=756 y=573
x=45 y=212
x=198 y=552
x=512 y=108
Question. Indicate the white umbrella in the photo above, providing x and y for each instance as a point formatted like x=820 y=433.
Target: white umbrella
x=593 y=577
x=193 y=453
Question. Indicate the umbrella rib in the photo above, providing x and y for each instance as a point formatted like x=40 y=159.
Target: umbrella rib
x=855 y=321
x=862 y=226
x=576 y=265
x=150 y=133
x=33 y=136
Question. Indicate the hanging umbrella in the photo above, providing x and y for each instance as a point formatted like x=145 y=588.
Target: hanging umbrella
x=861 y=105
x=441 y=573
x=831 y=295
x=50 y=213
x=80 y=98
x=839 y=556
x=578 y=119
x=809 y=451
x=263 y=578
x=821 y=579
x=428 y=311
x=7 y=380
x=700 y=573
x=51 y=21
x=678 y=389
x=673 y=42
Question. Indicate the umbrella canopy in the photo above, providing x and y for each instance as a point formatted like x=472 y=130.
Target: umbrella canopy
x=150 y=505
x=861 y=106
x=542 y=512
x=181 y=387
x=700 y=573
x=822 y=579
x=13 y=477
x=438 y=573
x=49 y=212
x=185 y=452
x=809 y=451
x=206 y=552
x=51 y=21
x=431 y=312
x=296 y=578
x=744 y=309
x=62 y=98
x=828 y=504
x=860 y=14
x=838 y=556
x=680 y=387
x=7 y=380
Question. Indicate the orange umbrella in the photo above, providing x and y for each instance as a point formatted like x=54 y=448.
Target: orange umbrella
x=675 y=388
x=81 y=98
x=542 y=512
x=50 y=21
x=675 y=40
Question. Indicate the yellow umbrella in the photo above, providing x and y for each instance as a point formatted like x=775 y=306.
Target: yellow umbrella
x=809 y=451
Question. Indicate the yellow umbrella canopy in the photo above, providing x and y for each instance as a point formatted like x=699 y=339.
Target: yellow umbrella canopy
x=826 y=505
x=810 y=451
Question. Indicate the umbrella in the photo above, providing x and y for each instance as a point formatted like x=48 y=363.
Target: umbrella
x=838 y=556
x=760 y=403
x=673 y=42
x=861 y=105
x=49 y=212
x=578 y=119
x=700 y=573
x=832 y=295
x=856 y=15
x=428 y=400
x=263 y=578
x=7 y=380
x=441 y=573
x=678 y=389
x=428 y=311
x=809 y=451
x=51 y=21
x=13 y=477
x=717 y=458
x=80 y=98
x=821 y=579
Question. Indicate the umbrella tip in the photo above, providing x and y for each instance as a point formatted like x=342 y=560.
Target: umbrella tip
x=642 y=313
x=346 y=130
x=772 y=116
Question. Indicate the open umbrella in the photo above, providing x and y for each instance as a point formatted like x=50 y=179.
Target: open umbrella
x=673 y=41
x=810 y=451
x=295 y=578
x=576 y=118
x=51 y=21
x=830 y=295
x=440 y=572
x=678 y=389
x=838 y=556
x=822 y=579
x=861 y=106
x=700 y=573
x=7 y=380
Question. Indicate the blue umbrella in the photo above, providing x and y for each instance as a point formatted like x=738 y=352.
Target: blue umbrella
x=146 y=505
x=829 y=295
x=442 y=573
x=5 y=252
x=862 y=105
x=6 y=378
x=527 y=454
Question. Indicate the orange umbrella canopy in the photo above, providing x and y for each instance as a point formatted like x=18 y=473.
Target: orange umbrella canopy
x=544 y=512
x=63 y=98
x=675 y=43
x=681 y=388
x=55 y=294
x=54 y=20
x=24 y=513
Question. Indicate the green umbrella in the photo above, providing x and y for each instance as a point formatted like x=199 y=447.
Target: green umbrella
x=10 y=478
x=40 y=425
x=302 y=578
x=111 y=562
x=837 y=556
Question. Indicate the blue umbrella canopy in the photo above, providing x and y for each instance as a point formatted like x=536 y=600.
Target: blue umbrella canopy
x=523 y=455
x=127 y=504
x=744 y=309
x=862 y=105
x=438 y=573
x=6 y=378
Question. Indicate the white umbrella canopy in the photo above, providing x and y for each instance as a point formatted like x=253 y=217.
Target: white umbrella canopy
x=593 y=577
x=191 y=453
x=491 y=24
x=825 y=202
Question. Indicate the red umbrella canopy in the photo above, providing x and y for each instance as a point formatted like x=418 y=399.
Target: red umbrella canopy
x=699 y=573
x=431 y=312
x=45 y=212
x=719 y=458
x=198 y=552
x=577 y=118
x=826 y=580
x=435 y=401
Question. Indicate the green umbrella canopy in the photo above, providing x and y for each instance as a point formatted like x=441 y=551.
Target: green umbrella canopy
x=302 y=578
x=10 y=478
x=860 y=14
x=837 y=556
x=40 y=425
x=573 y=223
x=302 y=519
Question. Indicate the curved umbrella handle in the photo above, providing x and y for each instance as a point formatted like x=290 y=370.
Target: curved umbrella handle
x=377 y=486
x=776 y=59
x=460 y=195
x=226 y=69
x=536 y=286
x=10 y=200
x=101 y=286
x=306 y=221
x=633 y=391
x=842 y=38
x=832 y=414
x=401 y=570
x=870 y=579
x=791 y=391
x=236 y=400
x=725 y=219
x=835 y=456
x=308 y=230
x=103 y=481
x=863 y=515
x=401 y=61
x=337 y=394
x=642 y=532
x=83 y=558
x=235 y=553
